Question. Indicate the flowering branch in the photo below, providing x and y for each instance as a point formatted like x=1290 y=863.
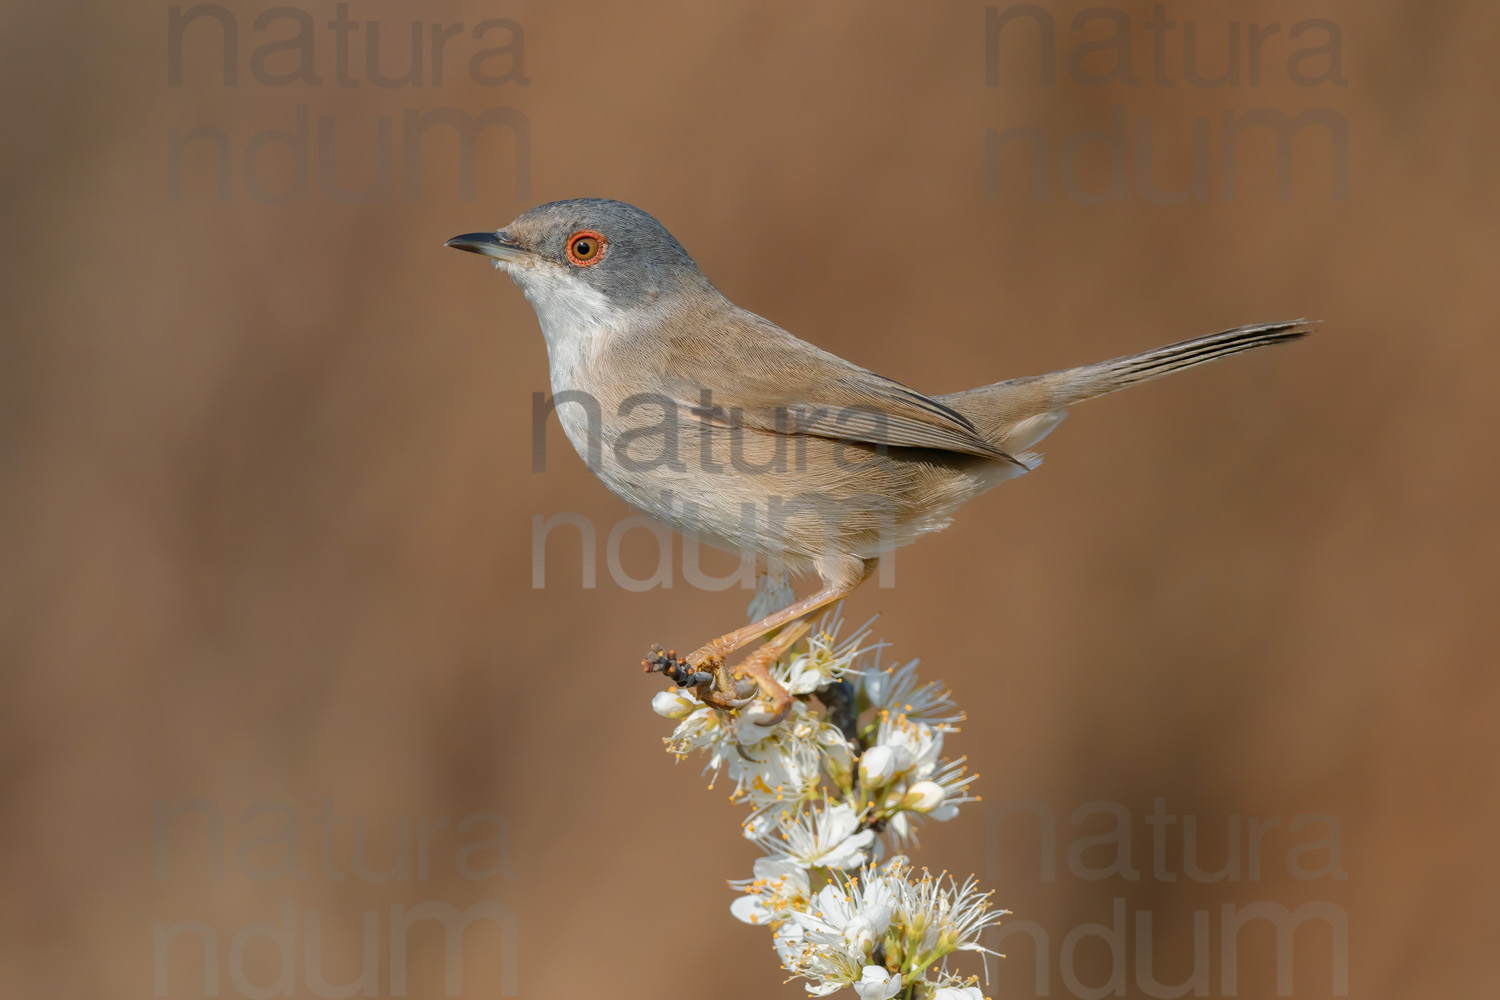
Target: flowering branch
x=855 y=767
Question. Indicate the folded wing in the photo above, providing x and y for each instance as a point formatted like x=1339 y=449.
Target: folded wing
x=775 y=382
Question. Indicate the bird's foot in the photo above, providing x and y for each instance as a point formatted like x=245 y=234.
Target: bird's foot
x=757 y=670
x=705 y=672
x=724 y=688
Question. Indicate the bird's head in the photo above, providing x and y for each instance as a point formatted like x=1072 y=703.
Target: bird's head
x=589 y=257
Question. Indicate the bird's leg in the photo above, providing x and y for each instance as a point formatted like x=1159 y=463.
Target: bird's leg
x=704 y=669
x=715 y=651
x=696 y=668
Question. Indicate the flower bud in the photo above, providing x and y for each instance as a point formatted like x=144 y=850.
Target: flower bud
x=958 y=993
x=924 y=796
x=877 y=984
x=877 y=766
x=673 y=704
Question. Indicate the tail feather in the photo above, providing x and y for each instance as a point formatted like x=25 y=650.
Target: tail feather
x=1017 y=414
x=1074 y=385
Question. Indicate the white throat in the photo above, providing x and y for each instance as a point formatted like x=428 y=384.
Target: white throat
x=573 y=316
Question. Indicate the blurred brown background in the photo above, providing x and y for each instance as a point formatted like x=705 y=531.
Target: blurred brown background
x=267 y=501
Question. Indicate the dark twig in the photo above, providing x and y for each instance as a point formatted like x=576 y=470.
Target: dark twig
x=842 y=712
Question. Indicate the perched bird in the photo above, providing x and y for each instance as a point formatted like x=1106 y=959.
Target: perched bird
x=729 y=429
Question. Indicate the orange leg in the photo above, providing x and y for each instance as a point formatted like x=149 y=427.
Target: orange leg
x=705 y=670
x=714 y=652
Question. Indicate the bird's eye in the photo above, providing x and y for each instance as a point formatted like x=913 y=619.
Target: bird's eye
x=585 y=247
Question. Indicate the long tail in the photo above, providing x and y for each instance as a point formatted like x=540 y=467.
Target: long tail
x=1018 y=413
x=1073 y=385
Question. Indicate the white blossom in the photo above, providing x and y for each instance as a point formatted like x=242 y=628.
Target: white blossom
x=817 y=796
x=785 y=776
x=897 y=690
x=918 y=746
x=829 y=837
x=826 y=659
x=875 y=983
x=943 y=916
x=843 y=926
x=778 y=889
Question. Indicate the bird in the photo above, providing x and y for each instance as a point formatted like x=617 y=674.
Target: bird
x=729 y=429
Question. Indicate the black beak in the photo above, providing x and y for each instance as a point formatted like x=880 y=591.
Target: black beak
x=496 y=245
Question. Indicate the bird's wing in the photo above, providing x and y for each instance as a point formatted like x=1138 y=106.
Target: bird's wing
x=774 y=382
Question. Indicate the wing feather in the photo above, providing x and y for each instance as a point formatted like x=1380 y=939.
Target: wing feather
x=765 y=378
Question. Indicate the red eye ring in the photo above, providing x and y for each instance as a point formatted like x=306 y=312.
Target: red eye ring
x=586 y=247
